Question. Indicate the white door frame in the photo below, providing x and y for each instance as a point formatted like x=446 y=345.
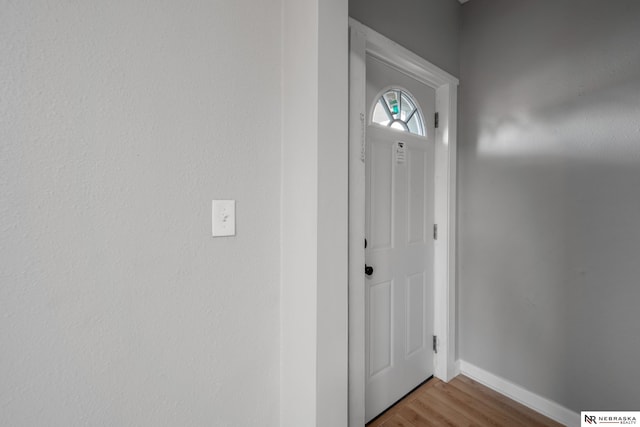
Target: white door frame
x=365 y=41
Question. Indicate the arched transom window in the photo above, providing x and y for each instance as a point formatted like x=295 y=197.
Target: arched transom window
x=397 y=109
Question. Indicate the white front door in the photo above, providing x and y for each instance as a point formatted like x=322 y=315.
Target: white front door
x=399 y=232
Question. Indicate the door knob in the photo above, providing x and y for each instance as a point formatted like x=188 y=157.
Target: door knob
x=368 y=270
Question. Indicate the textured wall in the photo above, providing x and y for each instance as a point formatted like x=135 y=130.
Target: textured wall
x=549 y=225
x=119 y=122
x=429 y=28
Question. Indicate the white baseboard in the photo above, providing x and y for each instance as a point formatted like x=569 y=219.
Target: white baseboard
x=538 y=403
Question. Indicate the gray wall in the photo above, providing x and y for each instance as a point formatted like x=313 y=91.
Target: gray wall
x=429 y=28
x=119 y=123
x=549 y=192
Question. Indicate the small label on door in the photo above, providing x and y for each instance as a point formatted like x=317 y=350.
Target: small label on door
x=401 y=152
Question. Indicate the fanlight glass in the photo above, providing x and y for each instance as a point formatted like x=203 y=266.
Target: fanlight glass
x=397 y=110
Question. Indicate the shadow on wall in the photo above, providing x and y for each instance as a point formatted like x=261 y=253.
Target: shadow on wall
x=549 y=225
x=561 y=97
x=602 y=124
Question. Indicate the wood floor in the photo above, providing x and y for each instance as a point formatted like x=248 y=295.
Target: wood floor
x=461 y=402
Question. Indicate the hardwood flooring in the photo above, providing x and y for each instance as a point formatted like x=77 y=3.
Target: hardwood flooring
x=461 y=402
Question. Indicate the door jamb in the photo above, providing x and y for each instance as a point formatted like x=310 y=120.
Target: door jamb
x=365 y=41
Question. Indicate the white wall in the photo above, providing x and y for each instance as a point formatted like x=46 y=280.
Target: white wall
x=119 y=122
x=299 y=214
x=549 y=171
x=314 y=214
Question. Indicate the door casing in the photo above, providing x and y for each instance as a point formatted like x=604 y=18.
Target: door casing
x=365 y=41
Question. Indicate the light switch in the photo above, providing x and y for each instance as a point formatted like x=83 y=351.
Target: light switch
x=223 y=218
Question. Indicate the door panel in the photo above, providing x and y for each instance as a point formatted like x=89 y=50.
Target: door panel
x=379 y=188
x=415 y=313
x=399 y=217
x=380 y=306
x=417 y=196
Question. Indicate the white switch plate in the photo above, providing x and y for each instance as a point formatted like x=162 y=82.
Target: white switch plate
x=223 y=218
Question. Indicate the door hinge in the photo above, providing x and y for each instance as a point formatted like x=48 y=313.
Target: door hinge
x=435 y=344
x=435 y=231
x=436 y=120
